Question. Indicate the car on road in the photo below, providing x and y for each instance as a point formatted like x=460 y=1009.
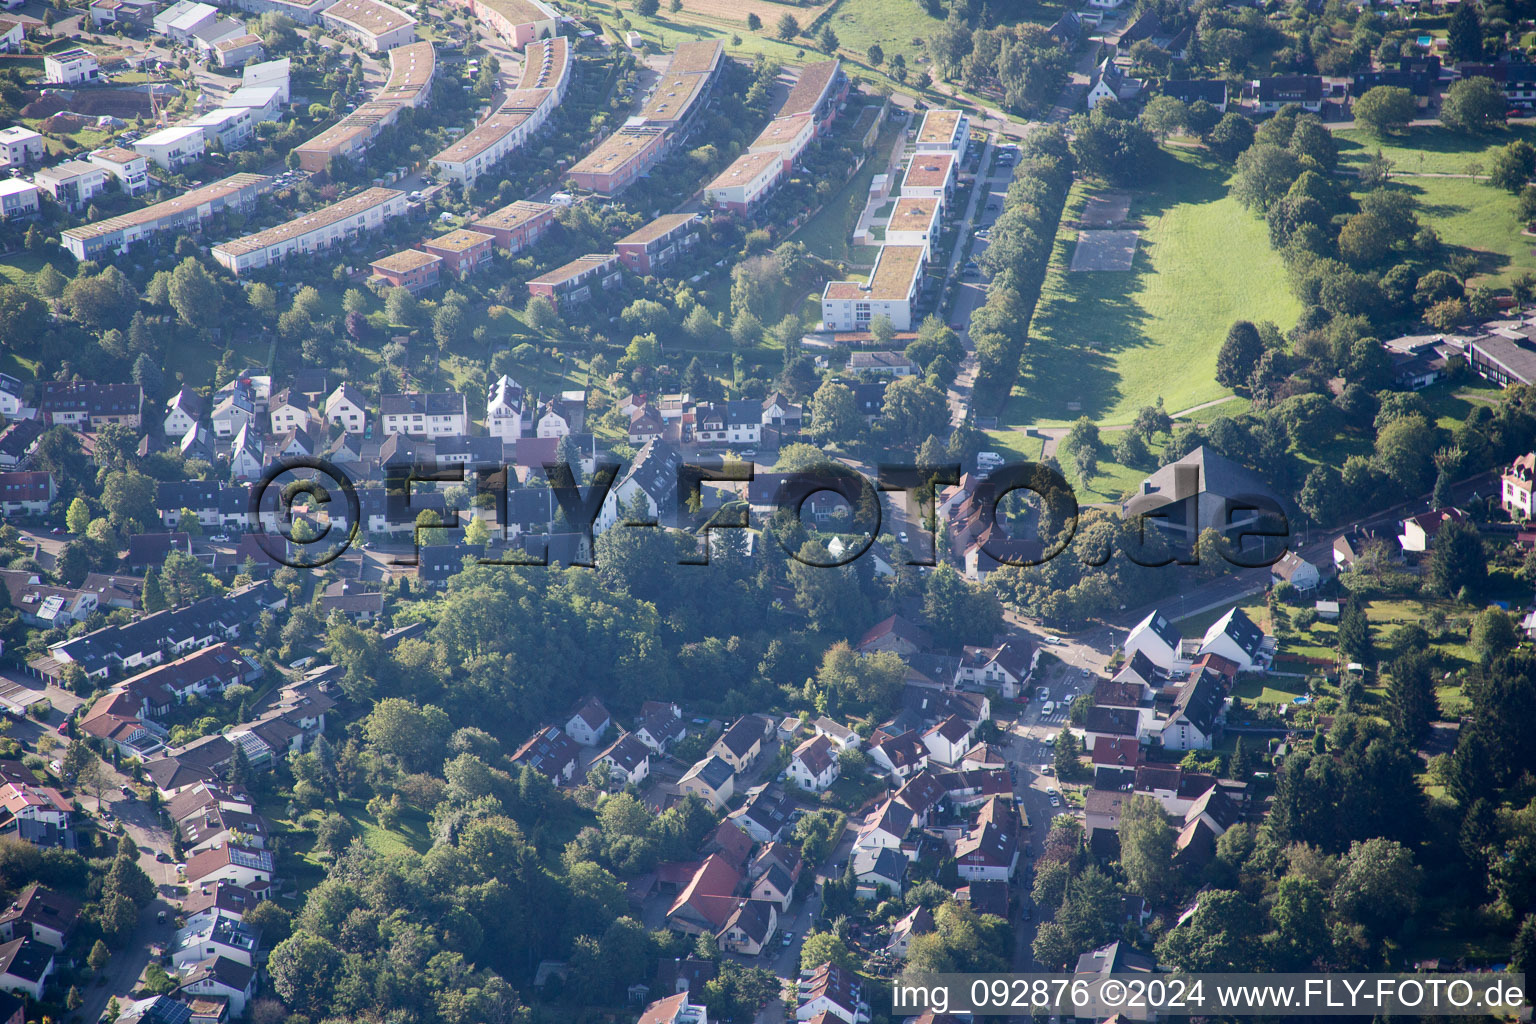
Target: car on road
x=1052 y=641
x=957 y=327
x=1050 y=740
x=1055 y=801
x=1043 y=693
x=1049 y=707
x=789 y=938
x=902 y=536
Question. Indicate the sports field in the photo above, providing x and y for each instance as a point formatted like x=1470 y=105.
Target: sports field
x=1114 y=342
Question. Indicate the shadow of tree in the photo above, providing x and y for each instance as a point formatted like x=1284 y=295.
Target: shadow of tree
x=1085 y=319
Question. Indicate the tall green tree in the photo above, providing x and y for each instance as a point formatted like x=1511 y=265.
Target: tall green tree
x=1465 y=32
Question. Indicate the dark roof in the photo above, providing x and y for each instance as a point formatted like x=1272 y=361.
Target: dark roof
x=745 y=733
x=1247 y=636
x=1199 y=702
x=1193 y=90
x=754 y=918
x=25 y=958
x=223 y=970
x=1291 y=89
x=714 y=772
x=655 y=473
x=986 y=897
x=816 y=754
x=1111 y=721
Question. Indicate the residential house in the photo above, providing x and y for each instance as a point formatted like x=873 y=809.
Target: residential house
x=1516 y=487
x=660 y=725
x=238 y=864
x=40 y=914
x=813 y=766
x=765 y=815
x=1007 y=667
x=1297 y=571
x=740 y=745
x=832 y=990
x=1156 y=639
x=588 y=723
x=675 y=1009
x=549 y=752
x=1304 y=91
x=1235 y=637
x=26 y=494
x=221 y=977
x=346 y=407
x=708 y=900
x=989 y=851
x=627 y=759
x=219 y=936
x=712 y=780
x=918 y=922
x=878 y=872
x=25 y=966
x=750 y=927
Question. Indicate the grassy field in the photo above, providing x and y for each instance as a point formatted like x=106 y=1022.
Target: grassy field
x=1427 y=150
x=1479 y=218
x=829 y=233
x=1114 y=342
x=904 y=26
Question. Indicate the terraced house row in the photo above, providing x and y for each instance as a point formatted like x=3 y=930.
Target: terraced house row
x=411 y=71
x=807 y=111
x=682 y=91
x=526 y=109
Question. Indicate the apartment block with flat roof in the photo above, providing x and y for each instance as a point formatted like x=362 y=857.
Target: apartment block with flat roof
x=659 y=242
x=891 y=290
x=517 y=225
x=573 y=282
x=619 y=160
x=411 y=269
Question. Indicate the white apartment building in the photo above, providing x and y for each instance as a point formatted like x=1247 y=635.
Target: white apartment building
x=232 y=126
x=17 y=198
x=890 y=291
x=71 y=67
x=944 y=131
x=173 y=147
x=20 y=145
x=129 y=168
x=73 y=183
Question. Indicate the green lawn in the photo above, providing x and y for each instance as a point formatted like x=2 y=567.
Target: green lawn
x=830 y=232
x=1114 y=342
x=904 y=26
x=1475 y=216
x=1426 y=150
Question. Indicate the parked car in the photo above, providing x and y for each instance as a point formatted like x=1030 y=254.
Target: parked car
x=162 y=857
x=1055 y=801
